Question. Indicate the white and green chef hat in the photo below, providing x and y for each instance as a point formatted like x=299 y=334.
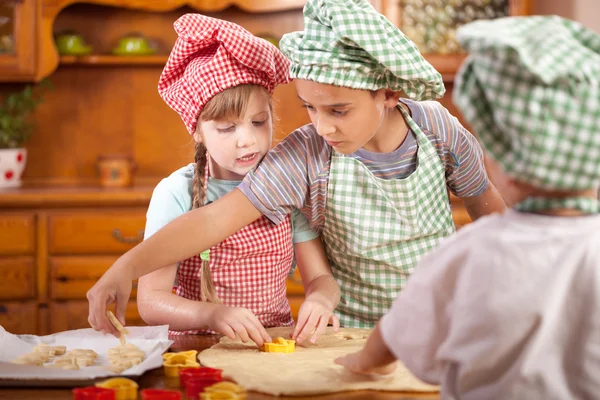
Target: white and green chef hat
x=348 y=43
x=530 y=88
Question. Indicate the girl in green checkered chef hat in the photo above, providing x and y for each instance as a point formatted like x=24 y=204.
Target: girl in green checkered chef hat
x=509 y=307
x=531 y=91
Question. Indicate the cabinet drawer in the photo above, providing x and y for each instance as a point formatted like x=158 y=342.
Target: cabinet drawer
x=294 y=284
x=109 y=232
x=461 y=217
x=19 y=318
x=71 y=277
x=295 y=303
x=69 y=315
x=17 y=234
x=17 y=278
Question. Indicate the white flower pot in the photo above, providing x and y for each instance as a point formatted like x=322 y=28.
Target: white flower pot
x=12 y=165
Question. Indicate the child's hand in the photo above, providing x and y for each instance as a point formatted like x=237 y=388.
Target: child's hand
x=113 y=287
x=238 y=320
x=357 y=363
x=314 y=313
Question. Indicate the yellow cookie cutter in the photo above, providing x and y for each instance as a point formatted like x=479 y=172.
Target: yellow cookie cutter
x=125 y=389
x=218 y=389
x=279 y=345
x=175 y=362
x=221 y=395
x=226 y=386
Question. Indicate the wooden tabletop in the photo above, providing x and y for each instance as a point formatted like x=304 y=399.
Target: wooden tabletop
x=156 y=379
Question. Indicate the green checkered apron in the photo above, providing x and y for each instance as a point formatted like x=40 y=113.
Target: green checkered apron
x=377 y=230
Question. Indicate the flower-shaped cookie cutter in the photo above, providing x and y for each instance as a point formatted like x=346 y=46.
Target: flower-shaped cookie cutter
x=279 y=345
x=125 y=389
x=218 y=390
x=173 y=363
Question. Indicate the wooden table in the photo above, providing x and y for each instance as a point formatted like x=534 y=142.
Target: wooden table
x=156 y=379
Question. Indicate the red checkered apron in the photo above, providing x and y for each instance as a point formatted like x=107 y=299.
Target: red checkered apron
x=249 y=269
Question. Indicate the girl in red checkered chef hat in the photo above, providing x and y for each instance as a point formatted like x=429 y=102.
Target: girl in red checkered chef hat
x=220 y=79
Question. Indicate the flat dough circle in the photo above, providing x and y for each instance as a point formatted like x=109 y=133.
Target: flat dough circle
x=309 y=370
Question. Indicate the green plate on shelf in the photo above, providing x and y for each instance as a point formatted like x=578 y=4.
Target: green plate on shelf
x=80 y=51
x=125 y=52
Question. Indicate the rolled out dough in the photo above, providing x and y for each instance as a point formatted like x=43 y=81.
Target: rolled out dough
x=309 y=370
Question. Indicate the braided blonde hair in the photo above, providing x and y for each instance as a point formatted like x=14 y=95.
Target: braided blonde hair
x=229 y=104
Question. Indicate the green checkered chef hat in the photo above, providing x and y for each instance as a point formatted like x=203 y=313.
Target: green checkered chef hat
x=530 y=88
x=348 y=43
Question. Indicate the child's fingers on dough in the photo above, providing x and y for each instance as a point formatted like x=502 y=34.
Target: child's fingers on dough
x=307 y=327
x=226 y=330
x=349 y=361
x=257 y=331
x=321 y=326
x=335 y=321
x=241 y=331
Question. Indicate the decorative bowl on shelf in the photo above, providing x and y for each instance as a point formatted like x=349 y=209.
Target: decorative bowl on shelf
x=134 y=44
x=72 y=44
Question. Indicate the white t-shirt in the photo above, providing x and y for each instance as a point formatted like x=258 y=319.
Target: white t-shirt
x=508 y=308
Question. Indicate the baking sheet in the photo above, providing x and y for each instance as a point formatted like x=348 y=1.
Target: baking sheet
x=152 y=340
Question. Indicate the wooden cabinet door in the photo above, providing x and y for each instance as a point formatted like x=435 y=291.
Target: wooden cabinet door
x=71 y=277
x=18 y=40
x=103 y=232
x=68 y=315
x=17 y=234
x=17 y=278
x=19 y=318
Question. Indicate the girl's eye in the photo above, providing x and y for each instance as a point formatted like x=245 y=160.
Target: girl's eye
x=259 y=123
x=226 y=130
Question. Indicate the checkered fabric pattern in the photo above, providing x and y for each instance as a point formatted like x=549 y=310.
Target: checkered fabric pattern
x=531 y=90
x=348 y=43
x=376 y=230
x=211 y=55
x=249 y=269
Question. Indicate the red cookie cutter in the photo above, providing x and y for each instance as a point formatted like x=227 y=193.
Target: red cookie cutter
x=160 y=394
x=93 y=393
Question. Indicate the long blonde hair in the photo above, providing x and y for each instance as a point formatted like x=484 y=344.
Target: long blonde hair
x=229 y=104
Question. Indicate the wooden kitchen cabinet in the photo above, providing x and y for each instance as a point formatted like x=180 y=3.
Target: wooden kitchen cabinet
x=68 y=315
x=18 y=40
x=92 y=232
x=17 y=278
x=17 y=233
x=19 y=317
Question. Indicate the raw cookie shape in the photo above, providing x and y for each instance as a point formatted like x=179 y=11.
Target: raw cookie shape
x=123 y=357
x=287 y=374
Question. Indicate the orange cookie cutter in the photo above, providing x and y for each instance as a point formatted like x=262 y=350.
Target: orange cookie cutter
x=125 y=389
x=218 y=389
x=220 y=395
x=173 y=363
x=279 y=345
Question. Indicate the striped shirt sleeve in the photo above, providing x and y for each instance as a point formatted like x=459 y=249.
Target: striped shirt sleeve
x=292 y=175
x=461 y=153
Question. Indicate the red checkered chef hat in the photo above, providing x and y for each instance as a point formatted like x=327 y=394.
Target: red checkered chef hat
x=211 y=55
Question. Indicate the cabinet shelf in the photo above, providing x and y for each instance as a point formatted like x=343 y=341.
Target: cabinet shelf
x=109 y=60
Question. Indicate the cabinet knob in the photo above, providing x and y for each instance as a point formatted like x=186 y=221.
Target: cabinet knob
x=3 y=309
x=116 y=233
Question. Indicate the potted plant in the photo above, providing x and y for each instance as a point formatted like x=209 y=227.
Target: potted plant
x=15 y=128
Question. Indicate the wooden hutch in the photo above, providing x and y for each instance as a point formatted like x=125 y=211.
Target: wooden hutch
x=61 y=230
